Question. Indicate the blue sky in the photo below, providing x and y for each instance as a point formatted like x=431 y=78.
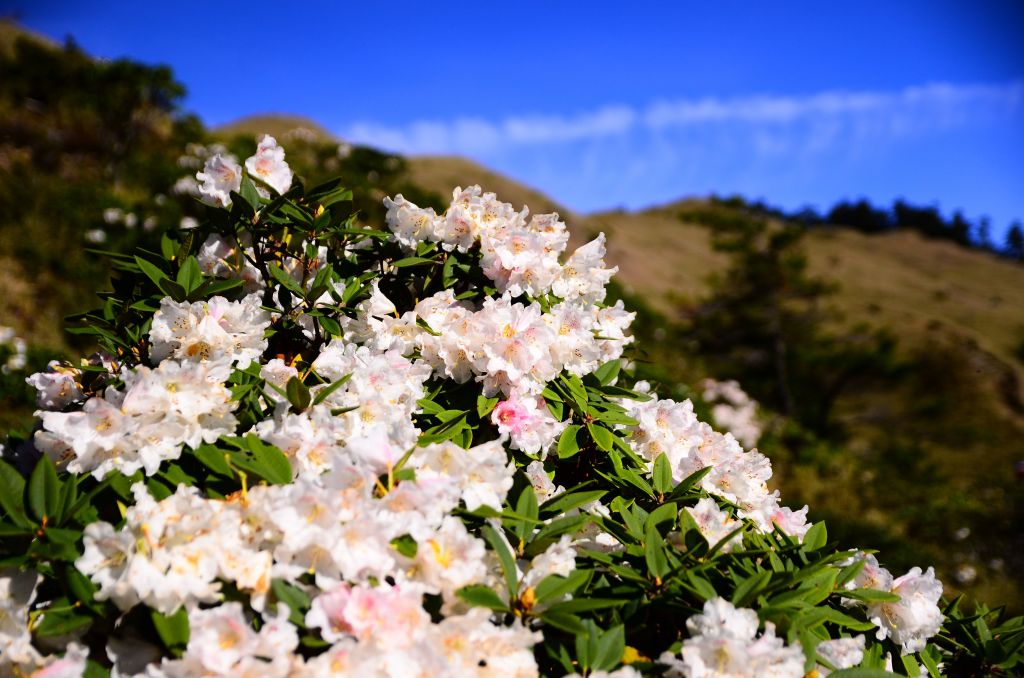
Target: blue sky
x=607 y=105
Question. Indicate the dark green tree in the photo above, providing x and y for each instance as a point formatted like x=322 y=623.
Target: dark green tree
x=1015 y=241
x=767 y=324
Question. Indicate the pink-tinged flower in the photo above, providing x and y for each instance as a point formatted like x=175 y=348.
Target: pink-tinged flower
x=269 y=165
x=220 y=176
x=368 y=613
x=511 y=416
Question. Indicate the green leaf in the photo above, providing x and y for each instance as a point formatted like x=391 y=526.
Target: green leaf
x=604 y=438
x=286 y=280
x=485 y=405
x=606 y=374
x=569 y=500
x=588 y=604
x=331 y=326
x=564 y=621
x=212 y=287
x=263 y=460
x=298 y=394
x=151 y=271
x=322 y=393
x=688 y=482
x=95 y=670
x=296 y=599
x=871 y=596
x=61 y=620
x=412 y=261
x=43 y=489
x=701 y=586
x=405 y=545
x=610 y=647
x=816 y=537
x=861 y=673
x=81 y=587
x=248 y=191
x=549 y=534
x=662 y=475
x=526 y=505
x=555 y=586
x=172 y=289
x=662 y=514
x=567 y=443
x=12 y=530
x=189 y=275
x=654 y=553
x=173 y=629
x=12 y=494
x=479 y=595
x=508 y=563
x=748 y=589
x=213 y=458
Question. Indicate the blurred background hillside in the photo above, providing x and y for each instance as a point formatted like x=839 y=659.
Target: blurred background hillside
x=883 y=340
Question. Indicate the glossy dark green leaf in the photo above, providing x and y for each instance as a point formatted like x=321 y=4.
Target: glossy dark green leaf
x=413 y=261
x=43 y=489
x=602 y=436
x=747 y=590
x=606 y=374
x=12 y=494
x=151 y=271
x=662 y=475
x=479 y=595
x=610 y=646
x=555 y=586
x=63 y=619
x=485 y=405
x=286 y=281
x=189 y=275
x=297 y=600
x=568 y=501
x=508 y=563
x=816 y=537
x=298 y=394
x=567 y=443
x=214 y=458
x=173 y=630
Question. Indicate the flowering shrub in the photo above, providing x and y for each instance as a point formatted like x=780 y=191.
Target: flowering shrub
x=312 y=447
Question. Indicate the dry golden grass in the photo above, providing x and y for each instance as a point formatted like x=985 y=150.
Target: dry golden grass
x=276 y=125
x=10 y=32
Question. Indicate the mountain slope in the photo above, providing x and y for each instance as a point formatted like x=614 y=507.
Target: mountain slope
x=901 y=280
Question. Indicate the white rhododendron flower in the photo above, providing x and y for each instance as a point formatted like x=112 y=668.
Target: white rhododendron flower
x=916 y=617
x=213 y=330
x=724 y=642
x=57 y=387
x=733 y=410
x=269 y=165
x=715 y=524
x=842 y=653
x=220 y=176
x=148 y=422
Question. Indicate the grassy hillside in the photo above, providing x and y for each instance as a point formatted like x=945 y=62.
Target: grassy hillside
x=278 y=126
x=900 y=279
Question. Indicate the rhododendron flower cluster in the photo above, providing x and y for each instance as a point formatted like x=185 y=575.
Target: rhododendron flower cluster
x=313 y=447
x=724 y=642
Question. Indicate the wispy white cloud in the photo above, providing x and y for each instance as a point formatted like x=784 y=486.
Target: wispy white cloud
x=820 y=117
